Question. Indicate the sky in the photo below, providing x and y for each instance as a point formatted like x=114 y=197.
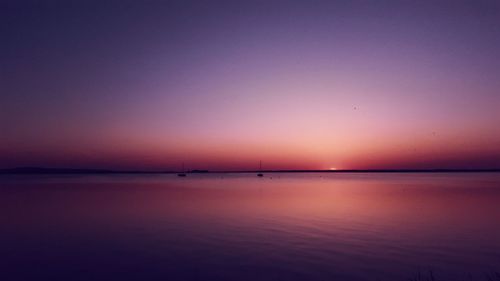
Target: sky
x=221 y=85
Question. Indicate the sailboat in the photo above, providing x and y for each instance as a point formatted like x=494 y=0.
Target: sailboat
x=182 y=174
x=260 y=174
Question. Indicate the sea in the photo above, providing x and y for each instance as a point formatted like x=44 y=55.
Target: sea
x=224 y=226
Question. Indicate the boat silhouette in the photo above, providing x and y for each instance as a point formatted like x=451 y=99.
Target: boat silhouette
x=260 y=174
x=182 y=174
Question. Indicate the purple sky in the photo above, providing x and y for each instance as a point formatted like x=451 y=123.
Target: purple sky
x=224 y=84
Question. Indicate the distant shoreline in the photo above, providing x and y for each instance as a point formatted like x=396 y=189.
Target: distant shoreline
x=36 y=170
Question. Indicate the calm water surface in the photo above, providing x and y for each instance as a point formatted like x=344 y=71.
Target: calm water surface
x=240 y=227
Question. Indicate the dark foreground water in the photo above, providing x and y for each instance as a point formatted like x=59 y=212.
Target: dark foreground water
x=240 y=227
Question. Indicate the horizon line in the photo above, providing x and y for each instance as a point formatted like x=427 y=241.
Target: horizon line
x=43 y=170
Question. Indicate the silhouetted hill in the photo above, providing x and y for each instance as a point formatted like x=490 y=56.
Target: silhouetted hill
x=38 y=170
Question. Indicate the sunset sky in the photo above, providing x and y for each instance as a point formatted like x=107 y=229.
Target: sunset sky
x=220 y=85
